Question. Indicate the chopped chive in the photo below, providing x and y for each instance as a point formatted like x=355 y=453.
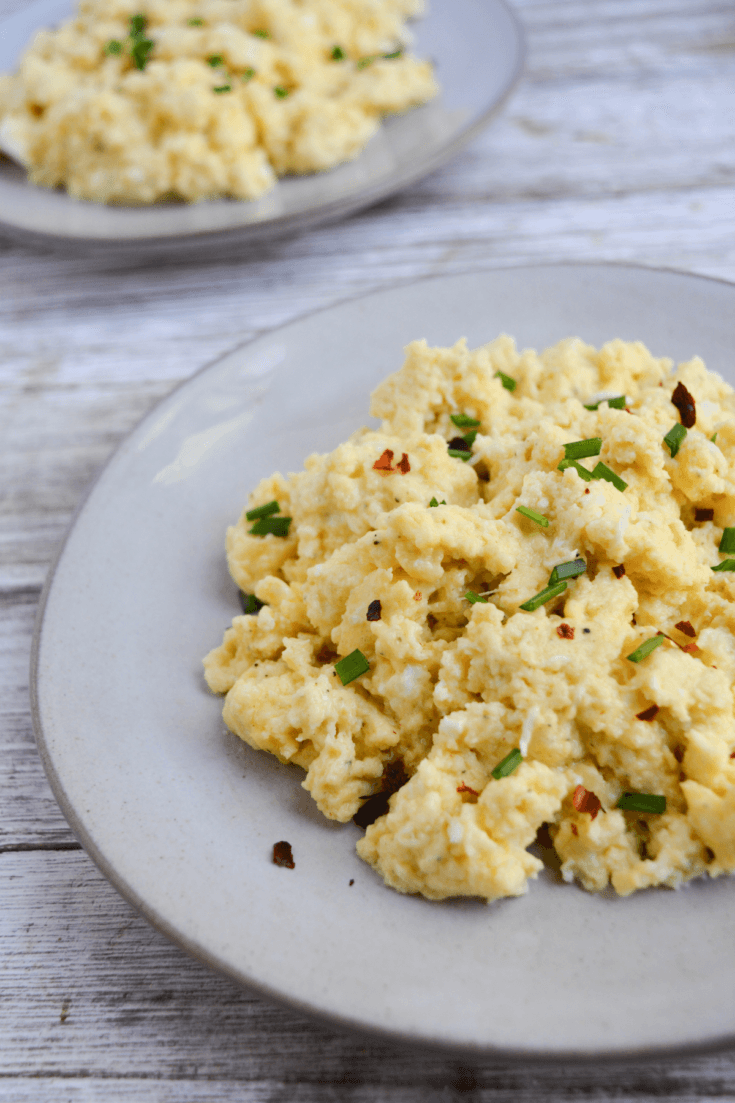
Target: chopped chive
x=278 y=526
x=113 y=47
x=351 y=667
x=248 y=74
x=473 y=598
x=614 y=403
x=533 y=516
x=725 y=565
x=261 y=34
x=646 y=648
x=580 y=449
x=338 y=53
x=196 y=22
x=727 y=543
x=713 y=438
x=545 y=595
x=262 y=511
x=365 y=61
x=460 y=454
x=642 y=802
x=508 y=764
x=464 y=421
x=470 y=437
x=140 y=50
x=508 y=382
x=602 y=471
x=434 y=502
x=250 y=603
x=280 y=91
x=674 y=437
x=137 y=25
x=223 y=88
x=215 y=60
x=581 y=471
x=396 y=53
x=571 y=569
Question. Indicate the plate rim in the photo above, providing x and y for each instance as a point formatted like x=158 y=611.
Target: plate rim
x=191 y=946
x=279 y=226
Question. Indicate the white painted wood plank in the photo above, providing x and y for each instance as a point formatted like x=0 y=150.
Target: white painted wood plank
x=89 y=989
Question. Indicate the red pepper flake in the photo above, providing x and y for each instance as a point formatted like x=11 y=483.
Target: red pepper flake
x=732 y=755
x=684 y=403
x=325 y=654
x=678 y=752
x=574 y=829
x=385 y=463
x=466 y=789
x=565 y=632
x=352 y=881
x=704 y=514
x=587 y=490
x=374 y=610
x=404 y=466
x=619 y=571
x=685 y=627
x=585 y=801
x=282 y=855
x=417 y=596
x=692 y=649
x=647 y=714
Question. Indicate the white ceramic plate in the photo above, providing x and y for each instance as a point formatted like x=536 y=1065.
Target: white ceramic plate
x=182 y=817
x=477 y=47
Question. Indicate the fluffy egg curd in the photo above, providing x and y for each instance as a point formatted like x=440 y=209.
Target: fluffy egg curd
x=507 y=613
x=191 y=99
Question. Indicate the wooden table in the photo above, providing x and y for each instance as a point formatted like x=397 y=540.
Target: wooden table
x=618 y=145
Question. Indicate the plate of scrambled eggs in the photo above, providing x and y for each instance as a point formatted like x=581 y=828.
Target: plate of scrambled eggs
x=475 y=784
x=184 y=121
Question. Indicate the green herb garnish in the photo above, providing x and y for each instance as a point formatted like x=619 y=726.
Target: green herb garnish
x=713 y=438
x=727 y=543
x=646 y=648
x=674 y=437
x=725 y=565
x=460 y=454
x=581 y=471
x=338 y=53
x=602 y=471
x=546 y=594
x=642 y=802
x=262 y=511
x=473 y=598
x=508 y=382
x=508 y=764
x=113 y=47
x=390 y=57
x=278 y=526
x=215 y=61
x=464 y=421
x=571 y=569
x=280 y=91
x=351 y=667
x=250 y=603
x=196 y=22
x=470 y=437
x=614 y=403
x=580 y=449
x=434 y=502
x=248 y=74
x=262 y=34
x=223 y=88
x=533 y=516
x=139 y=52
x=137 y=25
x=365 y=61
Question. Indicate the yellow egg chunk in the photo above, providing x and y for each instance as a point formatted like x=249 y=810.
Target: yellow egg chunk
x=497 y=615
x=195 y=99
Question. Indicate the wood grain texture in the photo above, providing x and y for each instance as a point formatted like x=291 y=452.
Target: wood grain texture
x=619 y=145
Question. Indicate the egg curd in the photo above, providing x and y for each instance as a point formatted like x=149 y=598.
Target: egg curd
x=506 y=613
x=191 y=99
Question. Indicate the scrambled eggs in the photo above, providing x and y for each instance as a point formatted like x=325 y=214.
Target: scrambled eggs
x=191 y=99
x=507 y=613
